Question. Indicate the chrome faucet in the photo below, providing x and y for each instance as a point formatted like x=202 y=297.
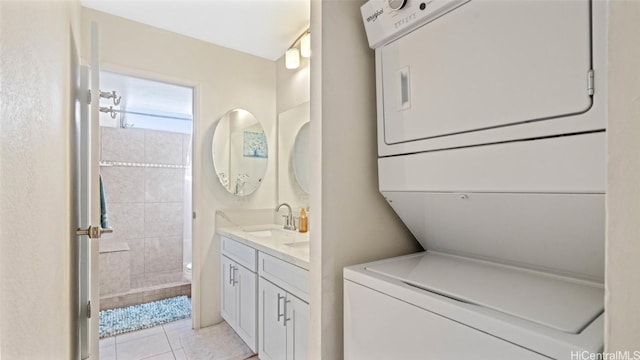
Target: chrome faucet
x=289 y=224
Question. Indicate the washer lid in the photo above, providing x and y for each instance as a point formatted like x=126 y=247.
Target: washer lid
x=557 y=302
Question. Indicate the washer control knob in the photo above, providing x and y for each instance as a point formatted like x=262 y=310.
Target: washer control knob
x=397 y=4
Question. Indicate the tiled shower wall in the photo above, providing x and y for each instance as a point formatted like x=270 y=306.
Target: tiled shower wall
x=145 y=200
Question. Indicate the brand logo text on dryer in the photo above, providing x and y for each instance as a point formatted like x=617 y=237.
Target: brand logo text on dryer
x=405 y=20
x=374 y=16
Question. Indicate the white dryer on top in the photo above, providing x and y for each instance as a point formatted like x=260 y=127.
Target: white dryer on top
x=455 y=73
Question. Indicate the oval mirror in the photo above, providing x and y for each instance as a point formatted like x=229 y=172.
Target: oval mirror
x=301 y=157
x=240 y=152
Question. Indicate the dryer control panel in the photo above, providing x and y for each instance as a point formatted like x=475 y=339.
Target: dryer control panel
x=385 y=20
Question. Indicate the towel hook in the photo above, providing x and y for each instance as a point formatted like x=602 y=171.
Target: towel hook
x=112 y=112
x=111 y=95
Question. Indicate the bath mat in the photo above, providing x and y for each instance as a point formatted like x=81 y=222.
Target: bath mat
x=217 y=342
x=141 y=316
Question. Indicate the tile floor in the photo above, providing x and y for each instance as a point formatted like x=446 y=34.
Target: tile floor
x=176 y=340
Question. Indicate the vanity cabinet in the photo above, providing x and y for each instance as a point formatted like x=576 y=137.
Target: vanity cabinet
x=283 y=314
x=239 y=290
x=265 y=291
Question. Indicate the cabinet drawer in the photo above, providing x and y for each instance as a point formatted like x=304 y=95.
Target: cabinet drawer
x=241 y=253
x=290 y=277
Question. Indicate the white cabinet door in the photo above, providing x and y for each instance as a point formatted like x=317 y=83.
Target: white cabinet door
x=229 y=295
x=239 y=300
x=247 y=306
x=272 y=330
x=297 y=328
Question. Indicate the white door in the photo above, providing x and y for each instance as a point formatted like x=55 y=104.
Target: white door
x=297 y=328
x=247 y=307
x=89 y=228
x=487 y=64
x=228 y=309
x=272 y=330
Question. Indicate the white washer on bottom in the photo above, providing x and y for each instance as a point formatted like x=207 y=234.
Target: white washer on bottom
x=437 y=306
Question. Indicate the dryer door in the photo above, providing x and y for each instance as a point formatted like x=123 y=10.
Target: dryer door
x=487 y=64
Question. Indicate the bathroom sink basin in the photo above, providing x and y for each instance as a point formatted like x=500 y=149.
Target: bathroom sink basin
x=273 y=234
x=297 y=244
x=261 y=233
x=266 y=233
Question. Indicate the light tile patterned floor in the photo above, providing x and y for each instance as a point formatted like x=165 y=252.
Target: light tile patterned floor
x=175 y=341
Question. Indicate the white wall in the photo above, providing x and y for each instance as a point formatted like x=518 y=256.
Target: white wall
x=38 y=287
x=353 y=223
x=224 y=79
x=292 y=86
x=622 y=318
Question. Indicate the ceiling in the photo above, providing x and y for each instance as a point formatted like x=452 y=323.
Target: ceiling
x=264 y=28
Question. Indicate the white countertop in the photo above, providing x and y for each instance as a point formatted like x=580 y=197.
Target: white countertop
x=287 y=245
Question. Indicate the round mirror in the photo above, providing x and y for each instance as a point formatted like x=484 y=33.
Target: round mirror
x=301 y=157
x=239 y=152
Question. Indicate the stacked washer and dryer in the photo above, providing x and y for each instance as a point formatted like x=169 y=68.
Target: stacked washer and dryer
x=491 y=145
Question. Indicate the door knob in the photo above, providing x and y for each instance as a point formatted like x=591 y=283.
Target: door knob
x=94 y=232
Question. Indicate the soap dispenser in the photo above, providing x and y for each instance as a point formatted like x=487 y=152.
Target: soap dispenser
x=303 y=221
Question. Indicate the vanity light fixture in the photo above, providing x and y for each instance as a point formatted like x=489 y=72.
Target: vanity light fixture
x=292 y=56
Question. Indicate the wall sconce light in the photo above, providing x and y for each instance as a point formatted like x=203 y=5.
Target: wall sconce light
x=292 y=56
